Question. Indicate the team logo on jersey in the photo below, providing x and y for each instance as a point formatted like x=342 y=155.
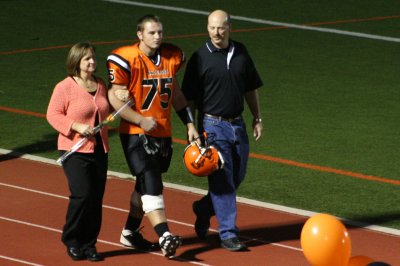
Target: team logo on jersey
x=158 y=72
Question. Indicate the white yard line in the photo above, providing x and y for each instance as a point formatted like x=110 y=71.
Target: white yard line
x=260 y=21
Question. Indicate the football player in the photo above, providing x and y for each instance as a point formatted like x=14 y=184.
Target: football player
x=148 y=69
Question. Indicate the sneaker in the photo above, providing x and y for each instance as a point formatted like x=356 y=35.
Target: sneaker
x=169 y=243
x=135 y=240
x=233 y=244
x=202 y=223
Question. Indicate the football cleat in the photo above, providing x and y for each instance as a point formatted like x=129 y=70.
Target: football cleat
x=169 y=243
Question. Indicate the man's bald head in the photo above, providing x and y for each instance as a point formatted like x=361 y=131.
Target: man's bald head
x=219 y=15
x=219 y=27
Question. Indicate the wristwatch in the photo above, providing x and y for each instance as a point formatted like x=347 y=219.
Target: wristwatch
x=257 y=120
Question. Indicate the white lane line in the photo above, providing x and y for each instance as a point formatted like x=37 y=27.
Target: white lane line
x=34 y=191
x=126 y=211
x=31 y=224
x=261 y=21
x=20 y=261
x=99 y=240
x=127 y=178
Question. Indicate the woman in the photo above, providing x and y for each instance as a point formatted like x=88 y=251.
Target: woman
x=77 y=105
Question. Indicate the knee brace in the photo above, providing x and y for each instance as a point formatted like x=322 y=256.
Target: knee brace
x=152 y=203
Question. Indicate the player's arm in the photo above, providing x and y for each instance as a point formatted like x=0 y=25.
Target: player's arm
x=184 y=112
x=128 y=114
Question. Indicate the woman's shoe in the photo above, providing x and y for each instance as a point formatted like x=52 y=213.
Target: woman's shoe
x=92 y=254
x=75 y=253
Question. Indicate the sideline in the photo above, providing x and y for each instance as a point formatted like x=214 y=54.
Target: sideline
x=260 y=156
x=276 y=207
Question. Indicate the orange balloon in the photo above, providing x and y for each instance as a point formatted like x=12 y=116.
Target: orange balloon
x=360 y=261
x=325 y=241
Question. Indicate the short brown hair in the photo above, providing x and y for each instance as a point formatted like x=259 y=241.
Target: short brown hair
x=147 y=18
x=75 y=55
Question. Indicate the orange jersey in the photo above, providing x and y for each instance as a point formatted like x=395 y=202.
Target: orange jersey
x=150 y=83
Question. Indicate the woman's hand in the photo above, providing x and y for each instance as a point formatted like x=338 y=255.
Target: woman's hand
x=83 y=129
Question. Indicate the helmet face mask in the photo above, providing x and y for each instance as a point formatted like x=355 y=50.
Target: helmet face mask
x=202 y=161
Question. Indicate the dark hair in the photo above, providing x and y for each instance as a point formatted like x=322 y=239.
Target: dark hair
x=75 y=55
x=147 y=18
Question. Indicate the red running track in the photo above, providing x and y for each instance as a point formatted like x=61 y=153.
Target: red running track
x=34 y=197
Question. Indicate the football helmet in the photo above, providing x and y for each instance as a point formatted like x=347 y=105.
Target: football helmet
x=202 y=161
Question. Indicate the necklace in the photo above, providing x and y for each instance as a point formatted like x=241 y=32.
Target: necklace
x=89 y=84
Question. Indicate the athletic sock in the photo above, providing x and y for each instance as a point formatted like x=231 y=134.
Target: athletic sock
x=161 y=228
x=132 y=223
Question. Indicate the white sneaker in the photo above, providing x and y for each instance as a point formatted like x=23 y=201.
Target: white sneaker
x=135 y=240
x=169 y=243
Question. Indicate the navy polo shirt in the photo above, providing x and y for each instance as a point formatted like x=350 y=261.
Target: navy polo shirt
x=217 y=79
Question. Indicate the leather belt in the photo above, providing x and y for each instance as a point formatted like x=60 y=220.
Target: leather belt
x=221 y=118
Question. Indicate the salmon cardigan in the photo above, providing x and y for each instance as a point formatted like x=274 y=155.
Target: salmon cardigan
x=71 y=103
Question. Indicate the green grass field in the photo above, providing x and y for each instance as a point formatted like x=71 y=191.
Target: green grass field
x=330 y=99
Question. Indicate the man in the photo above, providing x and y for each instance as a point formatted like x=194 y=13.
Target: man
x=218 y=78
x=147 y=70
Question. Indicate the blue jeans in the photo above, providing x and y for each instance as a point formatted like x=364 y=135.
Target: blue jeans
x=231 y=140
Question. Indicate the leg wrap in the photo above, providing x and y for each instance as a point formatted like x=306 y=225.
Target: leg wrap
x=152 y=203
x=135 y=199
x=136 y=209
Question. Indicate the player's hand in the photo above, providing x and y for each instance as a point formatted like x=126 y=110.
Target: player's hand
x=148 y=124
x=122 y=94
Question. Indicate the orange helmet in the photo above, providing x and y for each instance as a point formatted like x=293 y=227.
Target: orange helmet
x=202 y=161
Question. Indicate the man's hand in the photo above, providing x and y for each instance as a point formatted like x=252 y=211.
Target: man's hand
x=257 y=130
x=193 y=135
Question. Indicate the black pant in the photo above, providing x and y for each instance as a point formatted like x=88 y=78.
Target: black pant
x=87 y=175
x=147 y=168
